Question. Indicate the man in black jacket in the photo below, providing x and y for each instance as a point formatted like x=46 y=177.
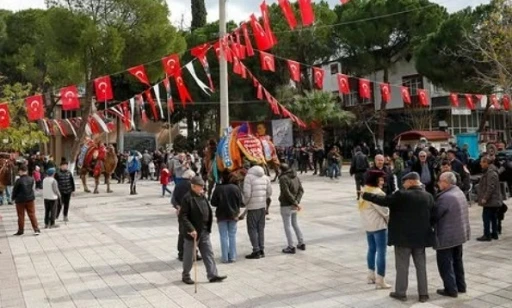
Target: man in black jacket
x=66 y=187
x=196 y=219
x=389 y=181
x=410 y=231
x=23 y=195
x=358 y=168
x=227 y=198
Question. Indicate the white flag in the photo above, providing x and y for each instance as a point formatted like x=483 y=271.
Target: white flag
x=202 y=85
x=156 y=88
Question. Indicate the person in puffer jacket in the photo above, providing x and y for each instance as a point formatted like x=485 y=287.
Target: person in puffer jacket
x=256 y=191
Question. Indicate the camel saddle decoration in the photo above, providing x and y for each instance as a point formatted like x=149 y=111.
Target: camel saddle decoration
x=99 y=159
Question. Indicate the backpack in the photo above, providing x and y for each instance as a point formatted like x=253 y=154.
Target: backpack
x=134 y=165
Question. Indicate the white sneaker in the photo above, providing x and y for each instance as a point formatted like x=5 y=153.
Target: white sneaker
x=380 y=283
x=371 y=277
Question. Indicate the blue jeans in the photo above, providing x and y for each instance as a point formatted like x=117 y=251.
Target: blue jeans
x=227 y=232
x=165 y=189
x=377 y=251
x=7 y=191
x=334 y=170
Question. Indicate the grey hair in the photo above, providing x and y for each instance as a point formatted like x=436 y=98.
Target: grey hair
x=422 y=152
x=449 y=177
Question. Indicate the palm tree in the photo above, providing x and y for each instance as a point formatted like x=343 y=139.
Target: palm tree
x=317 y=109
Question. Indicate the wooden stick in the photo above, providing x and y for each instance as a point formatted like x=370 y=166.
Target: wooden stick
x=195 y=264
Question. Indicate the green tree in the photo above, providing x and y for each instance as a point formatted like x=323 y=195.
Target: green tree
x=378 y=44
x=316 y=108
x=471 y=52
x=21 y=134
x=198 y=14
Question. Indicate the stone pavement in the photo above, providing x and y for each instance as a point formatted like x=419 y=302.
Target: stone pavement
x=119 y=251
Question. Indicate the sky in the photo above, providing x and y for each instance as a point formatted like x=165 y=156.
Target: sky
x=237 y=10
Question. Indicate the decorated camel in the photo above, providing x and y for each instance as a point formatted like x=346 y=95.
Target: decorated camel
x=98 y=159
x=236 y=151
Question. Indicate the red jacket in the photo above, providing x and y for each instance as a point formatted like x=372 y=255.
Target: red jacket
x=164 y=176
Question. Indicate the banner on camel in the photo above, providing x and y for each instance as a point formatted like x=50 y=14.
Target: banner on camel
x=280 y=131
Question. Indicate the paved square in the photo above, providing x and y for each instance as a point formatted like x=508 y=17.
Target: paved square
x=120 y=251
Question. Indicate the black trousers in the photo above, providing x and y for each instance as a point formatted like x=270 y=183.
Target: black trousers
x=64 y=202
x=133 y=183
x=451 y=269
x=50 y=211
x=359 y=177
x=181 y=241
x=490 y=219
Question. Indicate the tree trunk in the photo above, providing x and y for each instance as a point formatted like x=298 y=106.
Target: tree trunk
x=382 y=115
x=318 y=136
x=485 y=115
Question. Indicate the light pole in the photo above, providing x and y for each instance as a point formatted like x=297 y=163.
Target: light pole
x=224 y=100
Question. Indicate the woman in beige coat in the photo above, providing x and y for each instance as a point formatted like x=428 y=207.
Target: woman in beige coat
x=375 y=222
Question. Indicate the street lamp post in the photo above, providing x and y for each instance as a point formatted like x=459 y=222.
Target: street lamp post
x=224 y=100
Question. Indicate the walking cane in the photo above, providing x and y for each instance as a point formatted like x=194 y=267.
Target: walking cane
x=195 y=264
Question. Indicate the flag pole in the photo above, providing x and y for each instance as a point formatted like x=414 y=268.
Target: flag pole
x=224 y=100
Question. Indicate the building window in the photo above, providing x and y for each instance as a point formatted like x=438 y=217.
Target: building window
x=413 y=82
x=335 y=69
x=351 y=99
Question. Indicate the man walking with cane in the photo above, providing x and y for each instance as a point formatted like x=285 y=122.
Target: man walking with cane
x=196 y=219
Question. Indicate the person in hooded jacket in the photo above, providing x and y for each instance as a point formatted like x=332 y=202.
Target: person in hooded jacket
x=256 y=191
x=289 y=199
x=227 y=198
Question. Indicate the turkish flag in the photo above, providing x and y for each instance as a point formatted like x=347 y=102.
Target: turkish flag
x=69 y=98
x=182 y=91
x=479 y=97
x=172 y=65
x=306 y=12
x=259 y=94
x=364 y=89
x=5 y=119
x=454 y=99
x=318 y=75
x=263 y=40
x=139 y=72
x=126 y=116
x=200 y=50
x=267 y=62
x=266 y=22
x=494 y=101
x=506 y=102
x=294 y=68
x=285 y=112
x=469 y=101
x=237 y=67
x=103 y=88
x=422 y=97
x=406 y=96
x=287 y=10
x=152 y=104
x=385 y=92
x=35 y=107
x=248 y=44
x=343 y=85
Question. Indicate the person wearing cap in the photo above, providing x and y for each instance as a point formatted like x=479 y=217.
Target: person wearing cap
x=51 y=196
x=24 y=196
x=291 y=192
x=180 y=190
x=411 y=213
x=375 y=221
x=66 y=188
x=196 y=218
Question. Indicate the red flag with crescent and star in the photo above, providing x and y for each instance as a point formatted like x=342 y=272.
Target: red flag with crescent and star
x=35 y=107
x=266 y=22
x=152 y=104
x=5 y=118
x=506 y=102
x=248 y=44
x=494 y=101
x=200 y=53
x=364 y=88
x=287 y=10
x=182 y=91
x=306 y=12
x=69 y=98
x=126 y=116
x=103 y=89
x=385 y=92
x=454 y=99
x=267 y=62
x=259 y=93
x=140 y=103
x=318 y=76
x=264 y=41
x=172 y=65
x=139 y=72
x=294 y=68
x=343 y=85
x=469 y=101
x=406 y=96
x=422 y=97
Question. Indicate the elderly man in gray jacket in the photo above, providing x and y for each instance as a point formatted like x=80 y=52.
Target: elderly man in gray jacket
x=256 y=191
x=452 y=230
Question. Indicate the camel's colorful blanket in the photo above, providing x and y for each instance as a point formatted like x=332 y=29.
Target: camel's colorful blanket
x=90 y=151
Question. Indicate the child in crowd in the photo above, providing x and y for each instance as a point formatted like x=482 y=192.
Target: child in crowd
x=165 y=176
x=51 y=196
x=37 y=178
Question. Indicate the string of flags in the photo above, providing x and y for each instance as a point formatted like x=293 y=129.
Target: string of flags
x=236 y=47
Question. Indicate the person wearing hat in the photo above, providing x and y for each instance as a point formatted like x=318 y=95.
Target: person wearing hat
x=196 y=218
x=291 y=192
x=66 y=188
x=411 y=213
x=375 y=221
x=51 y=196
